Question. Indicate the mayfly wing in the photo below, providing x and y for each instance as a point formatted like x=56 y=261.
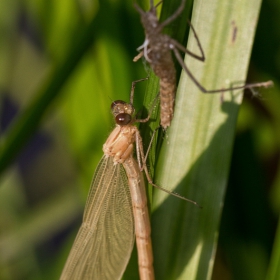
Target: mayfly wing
x=105 y=240
x=157 y=50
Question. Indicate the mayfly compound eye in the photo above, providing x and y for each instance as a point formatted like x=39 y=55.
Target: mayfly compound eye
x=123 y=119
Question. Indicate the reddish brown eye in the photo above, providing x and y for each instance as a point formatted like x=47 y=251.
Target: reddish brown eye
x=123 y=119
x=116 y=102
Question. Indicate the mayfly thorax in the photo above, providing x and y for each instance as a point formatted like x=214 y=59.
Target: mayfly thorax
x=157 y=50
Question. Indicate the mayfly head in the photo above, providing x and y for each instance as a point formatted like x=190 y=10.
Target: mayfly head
x=149 y=19
x=122 y=112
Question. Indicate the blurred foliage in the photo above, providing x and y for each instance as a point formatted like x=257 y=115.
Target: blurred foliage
x=42 y=193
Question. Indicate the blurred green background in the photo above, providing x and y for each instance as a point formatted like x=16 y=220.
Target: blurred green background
x=42 y=192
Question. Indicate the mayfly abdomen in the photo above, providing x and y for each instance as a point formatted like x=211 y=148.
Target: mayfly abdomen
x=167 y=75
x=141 y=218
x=167 y=99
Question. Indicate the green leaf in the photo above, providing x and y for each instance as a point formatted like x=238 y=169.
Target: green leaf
x=195 y=157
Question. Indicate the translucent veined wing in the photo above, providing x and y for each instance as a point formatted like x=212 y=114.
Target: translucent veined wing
x=105 y=240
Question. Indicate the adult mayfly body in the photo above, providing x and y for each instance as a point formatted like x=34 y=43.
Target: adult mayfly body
x=116 y=208
x=157 y=50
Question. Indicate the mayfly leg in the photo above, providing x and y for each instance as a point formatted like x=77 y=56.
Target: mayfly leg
x=204 y=90
x=157 y=49
x=133 y=89
x=143 y=166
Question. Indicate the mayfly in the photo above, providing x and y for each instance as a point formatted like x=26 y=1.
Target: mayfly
x=157 y=49
x=116 y=208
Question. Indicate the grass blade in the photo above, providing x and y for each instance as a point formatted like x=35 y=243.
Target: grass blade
x=195 y=157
